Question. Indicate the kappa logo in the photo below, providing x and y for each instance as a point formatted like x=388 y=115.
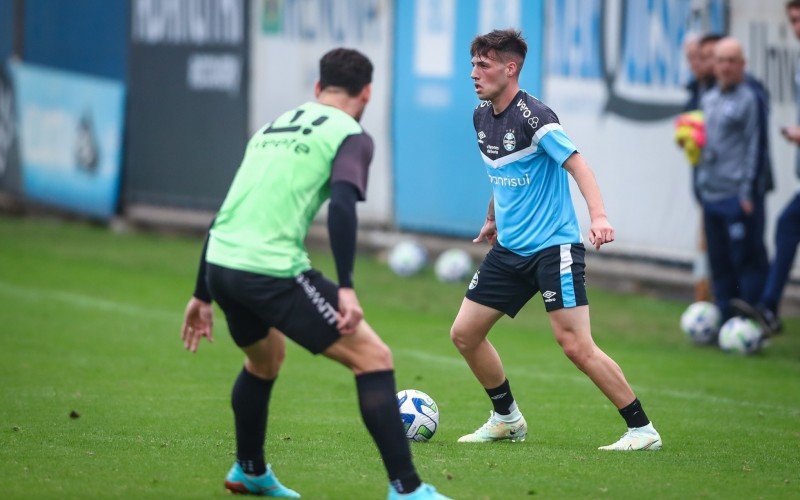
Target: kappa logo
x=474 y=282
x=549 y=296
x=509 y=141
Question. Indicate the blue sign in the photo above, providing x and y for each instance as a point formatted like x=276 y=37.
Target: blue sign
x=439 y=178
x=70 y=129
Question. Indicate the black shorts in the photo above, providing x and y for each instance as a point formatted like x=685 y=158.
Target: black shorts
x=506 y=281
x=303 y=307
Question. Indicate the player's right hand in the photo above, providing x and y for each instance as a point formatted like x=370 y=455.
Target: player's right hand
x=350 y=312
x=198 y=321
x=488 y=232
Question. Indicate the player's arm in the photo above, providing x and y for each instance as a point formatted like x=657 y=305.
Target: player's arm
x=489 y=230
x=751 y=155
x=349 y=175
x=600 y=231
x=198 y=319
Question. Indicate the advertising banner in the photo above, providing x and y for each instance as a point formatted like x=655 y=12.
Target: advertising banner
x=187 y=113
x=70 y=138
x=440 y=179
x=288 y=39
x=615 y=76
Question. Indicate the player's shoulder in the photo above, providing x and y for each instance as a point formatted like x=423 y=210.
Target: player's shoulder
x=483 y=108
x=533 y=111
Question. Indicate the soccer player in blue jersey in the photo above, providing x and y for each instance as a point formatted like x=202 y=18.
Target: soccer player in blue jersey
x=536 y=244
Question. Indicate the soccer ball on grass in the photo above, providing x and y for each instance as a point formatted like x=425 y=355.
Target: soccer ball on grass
x=740 y=335
x=453 y=265
x=700 y=322
x=419 y=413
x=407 y=258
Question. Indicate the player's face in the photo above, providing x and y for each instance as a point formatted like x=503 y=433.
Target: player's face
x=707 y=58
x=695 y=59
x=794 y=20
x=490 y=75
x=728 y=67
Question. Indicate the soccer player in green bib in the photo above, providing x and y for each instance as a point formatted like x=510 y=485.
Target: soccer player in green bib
x=256 y=268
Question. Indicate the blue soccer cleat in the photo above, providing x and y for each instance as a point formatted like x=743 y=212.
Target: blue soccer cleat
x=265 y=485
x=424 y=492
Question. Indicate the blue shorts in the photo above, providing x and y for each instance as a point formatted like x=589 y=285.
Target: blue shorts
x=506 y=281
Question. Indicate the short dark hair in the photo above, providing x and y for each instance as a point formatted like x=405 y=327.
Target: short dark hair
x=710 y=38
x=345 y=68
x=502 y=42
x=793 y=4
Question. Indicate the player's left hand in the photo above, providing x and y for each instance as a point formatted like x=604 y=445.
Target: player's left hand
x=747 y=206
x=350 y=312
x=198 y=322
x=600 y=232
x=791 y=133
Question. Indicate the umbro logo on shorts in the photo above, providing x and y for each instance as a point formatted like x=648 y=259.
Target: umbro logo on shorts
x=549 y=296
x=474 y=282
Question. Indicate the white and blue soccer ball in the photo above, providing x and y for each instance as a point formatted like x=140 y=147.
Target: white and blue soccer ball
x=700 y=322
x=420 y=414
x=453 y=265
x=740 y=335
x=407 y=258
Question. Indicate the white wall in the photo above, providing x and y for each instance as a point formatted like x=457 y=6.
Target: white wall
x=287 y=41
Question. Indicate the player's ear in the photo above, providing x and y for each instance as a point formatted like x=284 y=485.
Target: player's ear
x=511 y=69
x=317 y=89
x=366 y=93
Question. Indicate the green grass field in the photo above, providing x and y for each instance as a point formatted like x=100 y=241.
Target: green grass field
x=90 y=324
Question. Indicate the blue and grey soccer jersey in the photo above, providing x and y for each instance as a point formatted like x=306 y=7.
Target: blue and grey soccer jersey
x=539 y=245
x=524 y=149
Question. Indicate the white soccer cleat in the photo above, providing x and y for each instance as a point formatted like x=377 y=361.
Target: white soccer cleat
x=496 y=430
x=637 y=438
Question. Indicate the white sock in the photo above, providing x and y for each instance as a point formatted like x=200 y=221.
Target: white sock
x=511 y=417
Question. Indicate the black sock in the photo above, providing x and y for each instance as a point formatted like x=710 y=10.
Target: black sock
x=250 y=399
x=378 y=402
x=501 y=397
x=634 y=415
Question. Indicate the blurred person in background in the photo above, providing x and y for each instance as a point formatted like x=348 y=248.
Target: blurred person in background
x=256 y=267
x=730 y=181
x=787 y=234
x=702 y=68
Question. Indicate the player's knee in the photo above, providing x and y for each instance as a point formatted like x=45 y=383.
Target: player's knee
x=374 y=356
x=577 y=352
x=461 y=338
x=268 y=369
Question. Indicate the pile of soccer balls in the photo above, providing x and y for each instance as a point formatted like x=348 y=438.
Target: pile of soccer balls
x=701 y=324
x=409 y=257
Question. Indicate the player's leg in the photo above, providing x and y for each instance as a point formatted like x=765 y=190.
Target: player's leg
x=748 y=252
x=312 y=324
x=496 y=289
x=468 y=333
x=787 y=237
x=250 y=402
x=571 y=327
x=265 y=349
x=370 y=360
x=723 y=274
x=559 y=272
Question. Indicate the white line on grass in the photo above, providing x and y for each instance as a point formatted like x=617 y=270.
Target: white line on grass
x=582 y=379
x=86 y=301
